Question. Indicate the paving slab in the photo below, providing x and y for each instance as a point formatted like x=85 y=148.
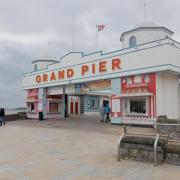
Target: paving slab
x=74 y=148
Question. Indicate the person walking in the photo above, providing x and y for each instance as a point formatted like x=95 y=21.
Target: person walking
x=2 y=117
x=102 y=112
x=107 y=112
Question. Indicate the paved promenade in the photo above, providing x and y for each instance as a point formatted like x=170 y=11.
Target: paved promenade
x=75 y=148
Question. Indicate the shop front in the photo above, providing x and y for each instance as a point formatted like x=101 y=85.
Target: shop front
x=85 y=98
x=54 y=101
x=32 y=103
x=137 y=99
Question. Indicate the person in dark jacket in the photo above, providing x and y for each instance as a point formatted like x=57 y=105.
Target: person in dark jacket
x=2 y=117
x=107 y=110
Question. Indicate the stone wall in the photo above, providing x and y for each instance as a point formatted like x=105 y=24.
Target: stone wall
x=141 y=148
x=14 y=117
x=170 y=127
x=173 y=153
x=165 y=120
x=172 y=130
x=140 y=152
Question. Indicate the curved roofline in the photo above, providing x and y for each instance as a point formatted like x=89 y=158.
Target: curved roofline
x=120 y=52
x=147 y=28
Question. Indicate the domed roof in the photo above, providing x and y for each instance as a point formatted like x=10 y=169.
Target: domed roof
x=146 y=24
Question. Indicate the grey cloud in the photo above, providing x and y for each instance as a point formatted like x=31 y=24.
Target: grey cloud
x=31 y=29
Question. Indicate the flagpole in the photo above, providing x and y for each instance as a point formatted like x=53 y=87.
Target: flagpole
x=48 y=49
x=145 y=16
x=73 y=35
x=96 y=39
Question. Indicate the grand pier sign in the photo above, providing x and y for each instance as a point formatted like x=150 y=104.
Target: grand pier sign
x=90 y=71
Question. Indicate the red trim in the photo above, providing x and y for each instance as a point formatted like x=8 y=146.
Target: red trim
x=154 y=106
x=149 y=113
x=149 y=85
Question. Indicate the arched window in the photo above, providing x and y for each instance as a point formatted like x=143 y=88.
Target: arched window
x=132 y=41
x=35 y=67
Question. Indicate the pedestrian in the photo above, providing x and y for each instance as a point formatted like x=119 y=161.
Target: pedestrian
x=102 y=112
x=2 y=117
x=107 y=112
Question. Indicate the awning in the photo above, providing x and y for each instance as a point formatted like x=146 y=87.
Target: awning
x=31 y=100
x=134 y=95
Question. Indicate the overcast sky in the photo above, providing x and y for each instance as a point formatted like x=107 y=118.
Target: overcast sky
x=31 y=29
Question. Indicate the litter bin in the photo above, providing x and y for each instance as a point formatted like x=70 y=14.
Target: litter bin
x=40 y=116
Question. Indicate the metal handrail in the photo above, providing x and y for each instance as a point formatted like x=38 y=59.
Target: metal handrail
x=119 y=144
x=155 y=149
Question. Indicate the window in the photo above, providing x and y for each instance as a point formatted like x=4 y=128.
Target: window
x=53 y=107
x=30 y=107
x=138 y=106
x=132 y=41
x=92 y=103
x=35 y=67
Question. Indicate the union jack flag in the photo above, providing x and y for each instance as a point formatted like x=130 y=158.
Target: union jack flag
x=100 y=27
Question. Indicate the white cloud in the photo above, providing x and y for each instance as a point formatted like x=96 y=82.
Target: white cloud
x=26 y=38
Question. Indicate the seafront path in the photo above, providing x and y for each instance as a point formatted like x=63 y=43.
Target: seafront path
x=79 y=147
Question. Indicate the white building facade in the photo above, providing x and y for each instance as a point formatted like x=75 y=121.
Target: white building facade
x=140 y=81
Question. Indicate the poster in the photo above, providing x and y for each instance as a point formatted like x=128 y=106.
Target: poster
x=116 y=107
x=56 y=90
x=69 y=89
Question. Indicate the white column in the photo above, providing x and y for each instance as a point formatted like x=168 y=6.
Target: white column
x=116 y=90
x=42 y=101
x=63 y=108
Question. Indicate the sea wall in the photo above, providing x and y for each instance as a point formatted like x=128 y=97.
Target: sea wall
x=14 y=117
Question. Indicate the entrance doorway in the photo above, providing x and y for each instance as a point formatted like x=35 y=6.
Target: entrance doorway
x=106 y=102
x=71 y=108
x=76 y=107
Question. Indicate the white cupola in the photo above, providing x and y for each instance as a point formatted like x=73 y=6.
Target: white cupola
x=144 y=32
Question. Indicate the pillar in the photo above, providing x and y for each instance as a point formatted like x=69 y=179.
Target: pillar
x=116 y=117
x=42 y=101
x=64 y=104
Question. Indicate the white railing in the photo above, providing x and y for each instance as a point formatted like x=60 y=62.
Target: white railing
x=138 y=119
x=136 y=115
x=53 y=115
x=32 y=115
